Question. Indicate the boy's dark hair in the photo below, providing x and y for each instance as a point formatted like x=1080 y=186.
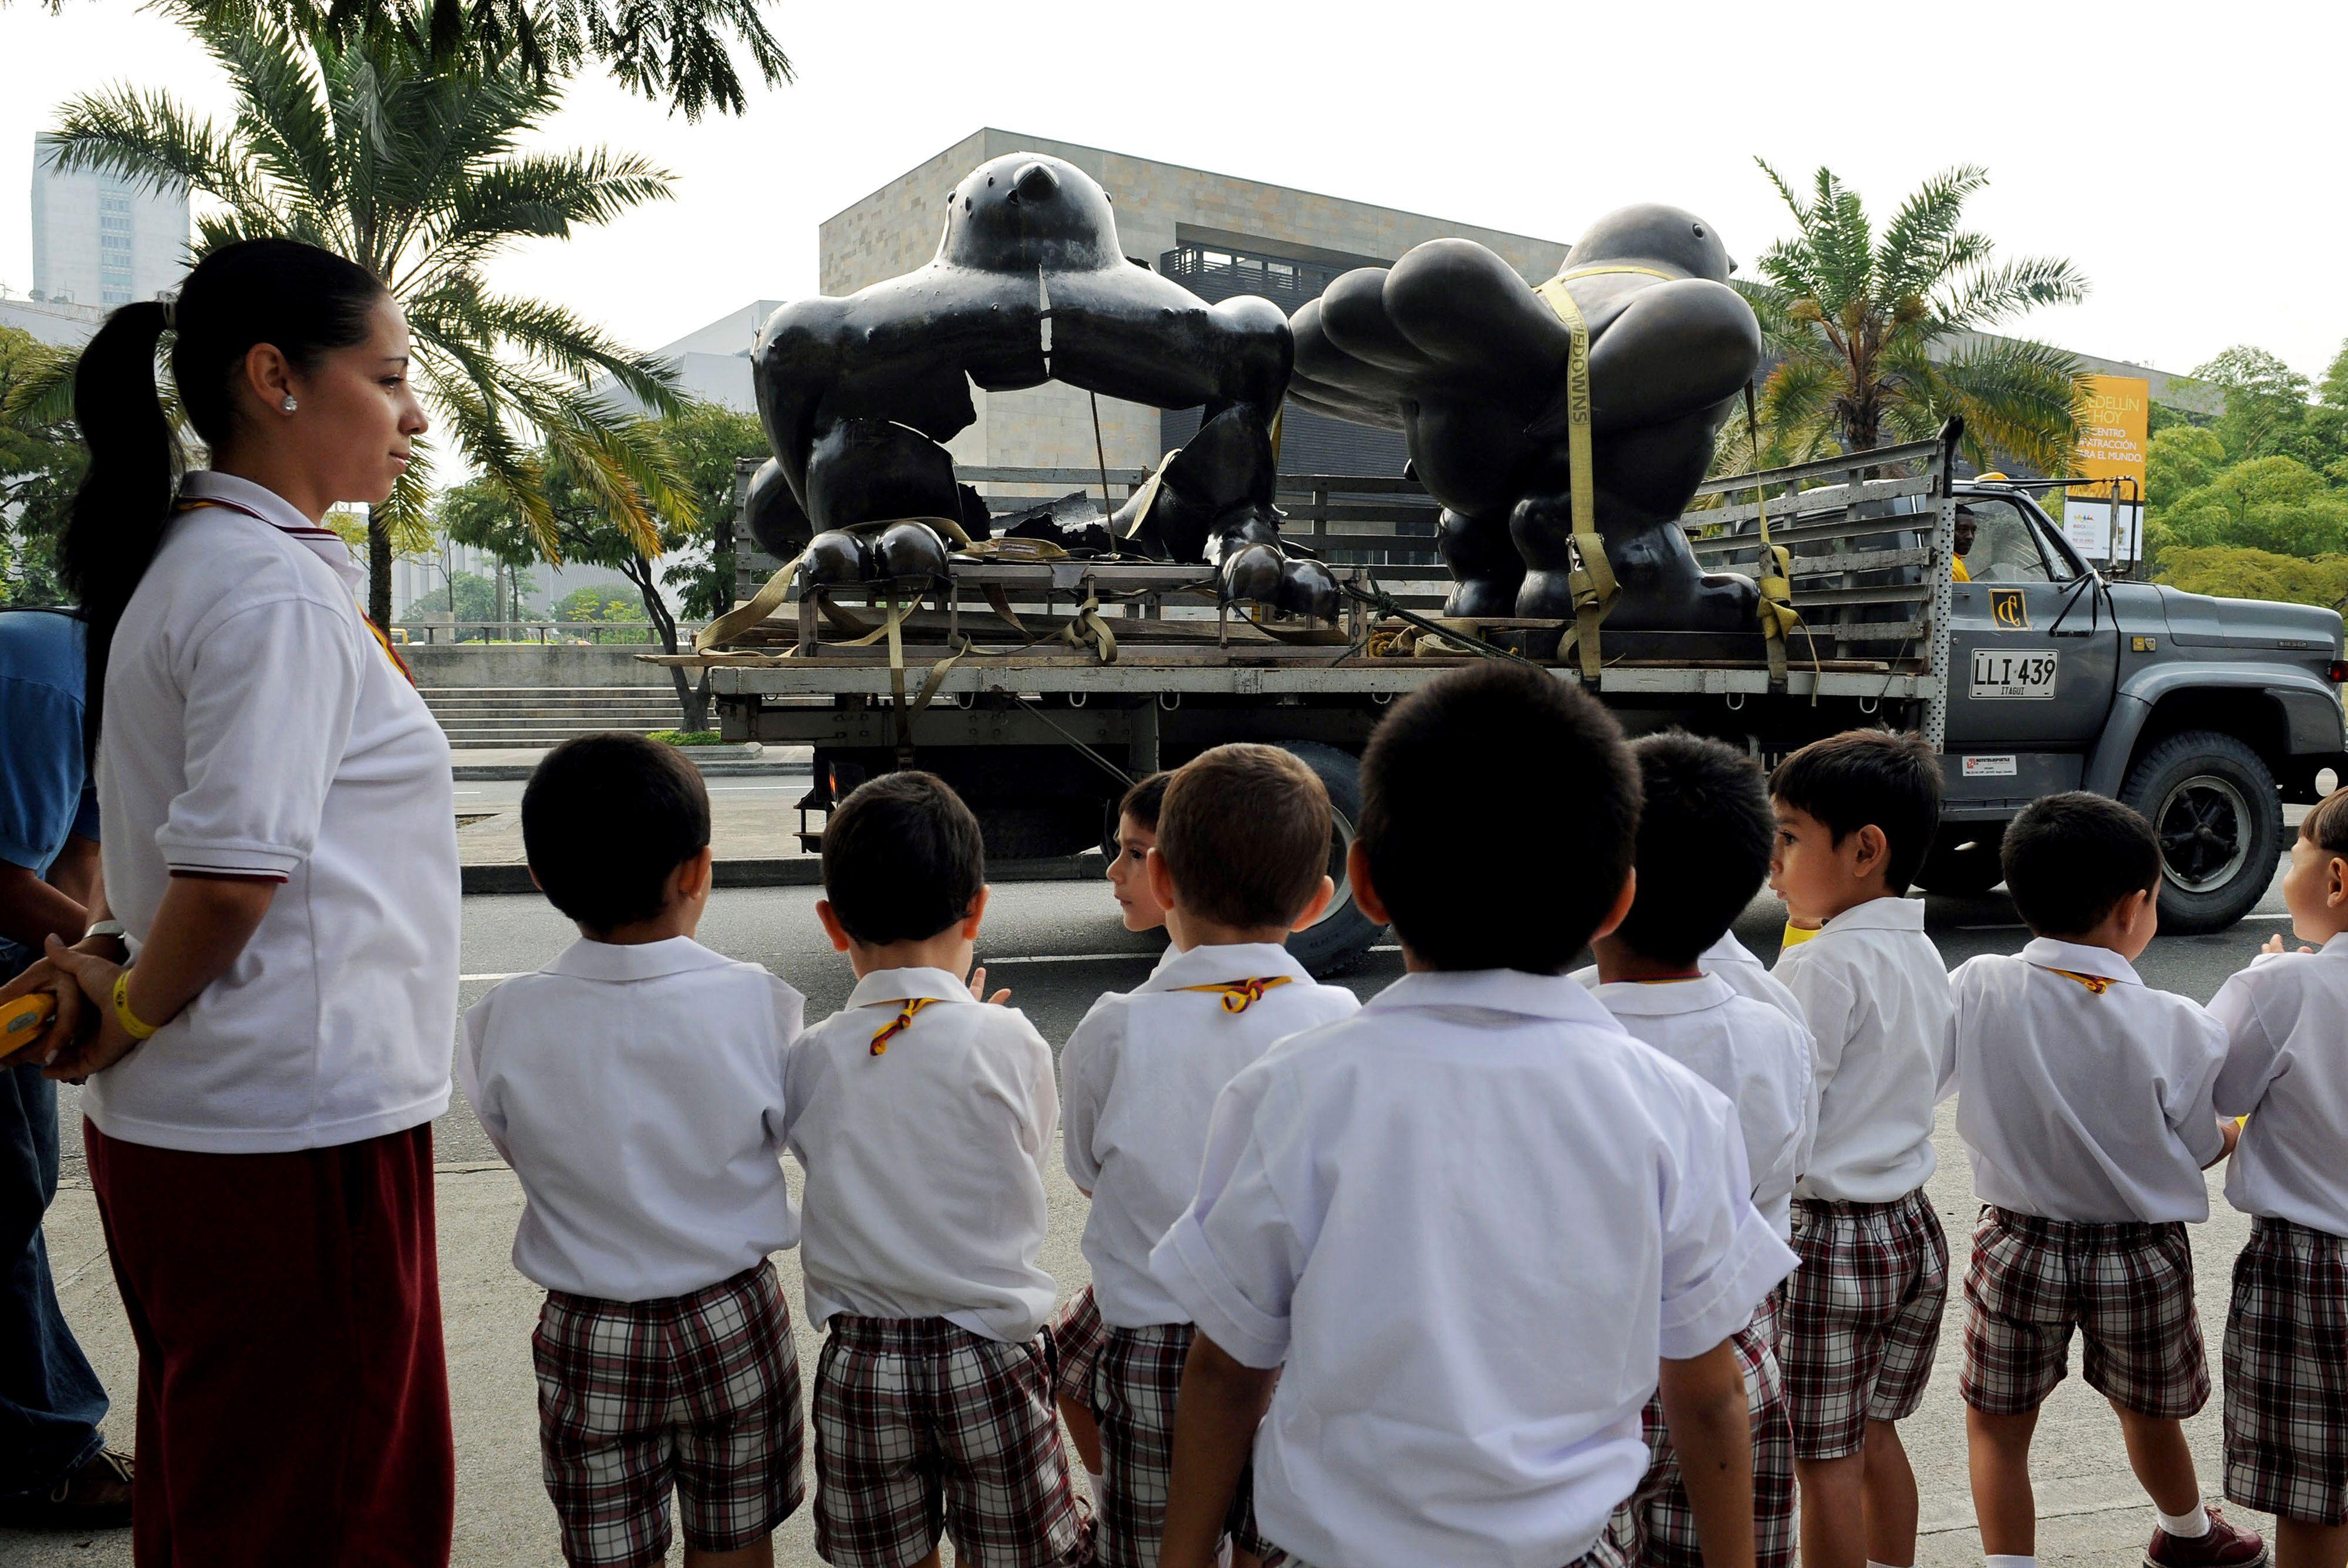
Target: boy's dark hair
x=1499 y=809
x=1704 y=835
x=1245 y=833
x=1145 y=800
x=902 y=859
x=1888 y=779
x=2325 y=825
x=2070 y=858
x=604 y=819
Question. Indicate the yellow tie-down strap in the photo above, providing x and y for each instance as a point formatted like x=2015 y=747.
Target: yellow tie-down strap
x=1775 y=574
x=772 y=594
x=1592 y=579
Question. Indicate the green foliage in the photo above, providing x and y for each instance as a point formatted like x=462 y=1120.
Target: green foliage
x=686 y=737
x=2274 y=504
x=41 y=462
x=2180 y=460
x=2237 y=572
x=420 y=167
x=476 y=601
x=1870 y=330
x=594 y=602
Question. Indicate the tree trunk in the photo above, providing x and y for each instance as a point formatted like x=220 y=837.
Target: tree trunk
x=692 y=695
x=379 y=569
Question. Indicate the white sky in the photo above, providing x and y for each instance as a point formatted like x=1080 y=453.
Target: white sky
x=2185 y=156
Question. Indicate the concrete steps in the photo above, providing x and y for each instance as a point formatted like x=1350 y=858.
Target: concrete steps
x=479 y=716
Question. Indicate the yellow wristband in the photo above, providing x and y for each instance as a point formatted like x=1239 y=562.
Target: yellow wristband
x=132 y=1024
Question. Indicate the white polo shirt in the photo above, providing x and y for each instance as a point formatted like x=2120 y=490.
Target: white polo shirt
x=1875 y=996
x=637 y=1091
x=2079 y=1101
x=2287 y=1069
x=1747 y=1049
x=1733 y=961
x=1141 y=1073
x=1468 y=1220
x=254 y=726
x=924 y=1194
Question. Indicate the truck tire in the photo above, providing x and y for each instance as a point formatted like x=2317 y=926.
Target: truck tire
x=1339 y=938
x=1966 y=866
x=2214 y=804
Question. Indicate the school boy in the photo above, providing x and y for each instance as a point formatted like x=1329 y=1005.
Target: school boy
x=924 y=1117
x=1860 y=1319
x=2083 y=1099
x=1460 y=1229
x=2286 y=1019
x=1241 y=861
x=636 y=1086
x=1078 y=1333
x=1705 y=833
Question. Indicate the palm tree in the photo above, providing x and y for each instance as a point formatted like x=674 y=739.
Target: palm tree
x=409 y=164
x=1878 y=336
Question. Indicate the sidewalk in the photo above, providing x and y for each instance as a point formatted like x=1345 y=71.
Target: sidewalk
x=2090 y=1510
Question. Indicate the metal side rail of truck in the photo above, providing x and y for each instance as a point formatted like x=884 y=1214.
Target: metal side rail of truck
x=2036 y=675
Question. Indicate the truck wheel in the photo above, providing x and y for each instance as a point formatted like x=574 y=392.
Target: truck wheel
x=1964 y=869
x=2214 y=804
x=1343 y=933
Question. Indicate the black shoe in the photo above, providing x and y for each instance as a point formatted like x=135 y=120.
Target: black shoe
x=95 y=1497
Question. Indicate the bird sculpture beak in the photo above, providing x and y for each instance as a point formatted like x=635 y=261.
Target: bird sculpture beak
x=1034 y=183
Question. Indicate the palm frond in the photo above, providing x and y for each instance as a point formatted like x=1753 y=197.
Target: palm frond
x=150 y=140
x=1917 y=243
x=1990 y=294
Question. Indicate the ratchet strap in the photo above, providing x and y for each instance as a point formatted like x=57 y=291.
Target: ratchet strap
x=1591 y=580
x=1774 y=576
x=907 y=1008
x=1240 y=995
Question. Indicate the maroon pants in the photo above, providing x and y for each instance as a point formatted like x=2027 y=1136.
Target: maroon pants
x=292 y=1388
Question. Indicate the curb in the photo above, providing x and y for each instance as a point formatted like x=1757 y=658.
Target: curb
x=801 y=871
x=471 y=773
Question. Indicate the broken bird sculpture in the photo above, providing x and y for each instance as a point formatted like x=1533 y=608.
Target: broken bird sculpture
x=858 y=394
x=1452 y=347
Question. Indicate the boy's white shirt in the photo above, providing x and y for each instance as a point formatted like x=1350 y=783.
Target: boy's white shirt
x=1750 y=1052
x=1733 y=961
x=1468 y=1220
x=924 y=1194
x=1140 y=1075
x=2286 y=1069
x=637 y=1092
x=2078 y=1105
x=1875 y=996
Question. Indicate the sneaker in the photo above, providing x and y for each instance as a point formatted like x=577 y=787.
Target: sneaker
x=2224 y=1546
x=95 y=1497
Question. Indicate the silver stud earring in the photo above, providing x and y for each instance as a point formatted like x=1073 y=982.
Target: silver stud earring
x=289 y=404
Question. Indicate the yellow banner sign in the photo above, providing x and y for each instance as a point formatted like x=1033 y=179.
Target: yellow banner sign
x=2111 y=445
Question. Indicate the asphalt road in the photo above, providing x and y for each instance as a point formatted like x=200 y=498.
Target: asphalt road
x=1057 y=947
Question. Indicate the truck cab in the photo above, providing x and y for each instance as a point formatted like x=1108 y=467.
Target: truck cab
x=2206 y=714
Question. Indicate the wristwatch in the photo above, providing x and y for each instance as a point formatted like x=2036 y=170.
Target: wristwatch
x=114 y=929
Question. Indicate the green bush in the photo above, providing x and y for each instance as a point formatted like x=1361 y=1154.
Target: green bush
x=2232 y=571
x=688 y=737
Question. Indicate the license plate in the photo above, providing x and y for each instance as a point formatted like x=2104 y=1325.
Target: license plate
x=2005 y=672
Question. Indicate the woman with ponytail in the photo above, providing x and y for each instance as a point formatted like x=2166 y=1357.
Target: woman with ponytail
x=281 y=855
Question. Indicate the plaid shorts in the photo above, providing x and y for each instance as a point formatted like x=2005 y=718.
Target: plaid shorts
x=698 y=1392
x=1136 y=1379
x=2287 y=1375
x=1077 y=1335
x=2126 y=1286
x=922 y=1426
x=1860 y=1320
x=1655 y=1527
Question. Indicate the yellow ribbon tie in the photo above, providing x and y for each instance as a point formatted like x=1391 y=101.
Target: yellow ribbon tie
x=2096 y=984
x=900 y=1024
x=1240 y=995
